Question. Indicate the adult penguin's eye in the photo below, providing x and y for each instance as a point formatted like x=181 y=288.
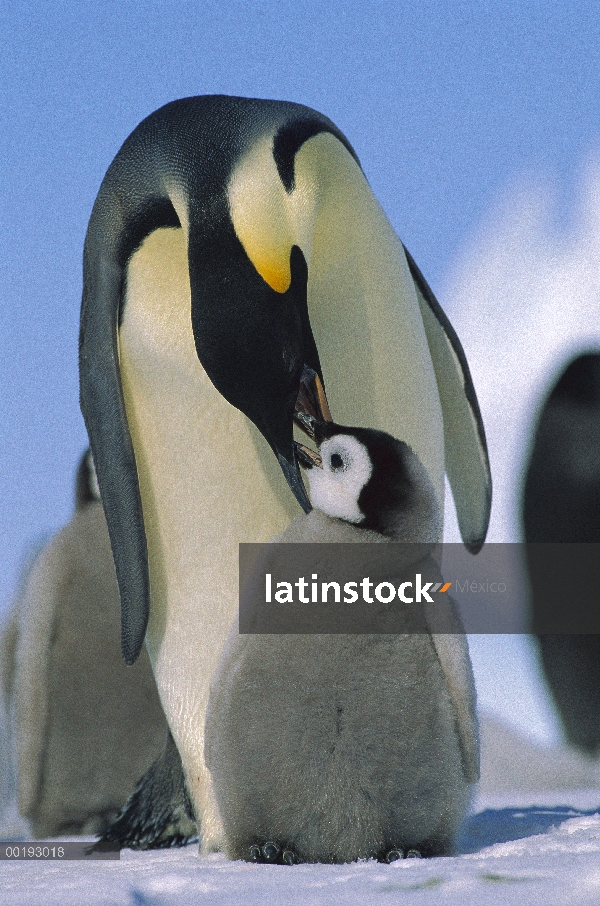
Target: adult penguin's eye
x=337 y=462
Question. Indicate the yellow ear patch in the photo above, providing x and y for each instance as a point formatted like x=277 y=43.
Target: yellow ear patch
x=268 y=221
x=278 y=279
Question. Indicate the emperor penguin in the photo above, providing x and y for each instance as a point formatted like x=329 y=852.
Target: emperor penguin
x=233 y=243
x=332 y=748
x=83 y=726
x=561 y=504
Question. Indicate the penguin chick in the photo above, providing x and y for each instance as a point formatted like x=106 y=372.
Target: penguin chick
x=84 y=726
x=332 y=748
x=371 y=480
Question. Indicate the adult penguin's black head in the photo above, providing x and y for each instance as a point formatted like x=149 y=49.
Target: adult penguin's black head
x=255 y=344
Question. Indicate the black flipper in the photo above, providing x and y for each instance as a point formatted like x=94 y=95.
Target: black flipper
x=467 y=463
x=159 y=813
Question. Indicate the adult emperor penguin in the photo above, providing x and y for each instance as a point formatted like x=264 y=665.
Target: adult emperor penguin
x=561 y=504
x=84 y=727
x=332 y=748
x=234 y=242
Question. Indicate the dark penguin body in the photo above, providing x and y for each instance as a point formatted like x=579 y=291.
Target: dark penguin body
x=332 y=748
x=233 y=243
x=561 y=504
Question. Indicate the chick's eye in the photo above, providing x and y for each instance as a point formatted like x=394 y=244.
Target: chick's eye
x=337 y=462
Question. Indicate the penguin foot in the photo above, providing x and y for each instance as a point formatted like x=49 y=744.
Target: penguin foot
x=397 y=852
x=159 y=812
x=273 y=854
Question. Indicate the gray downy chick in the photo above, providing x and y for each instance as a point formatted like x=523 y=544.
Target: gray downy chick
x=84 y=726
x=332 y=748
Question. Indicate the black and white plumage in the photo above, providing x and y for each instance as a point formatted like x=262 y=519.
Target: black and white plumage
x=233 y=243
x=331 y=748
x=371 y=480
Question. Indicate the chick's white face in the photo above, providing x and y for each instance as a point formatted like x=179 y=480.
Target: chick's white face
x=336 y=487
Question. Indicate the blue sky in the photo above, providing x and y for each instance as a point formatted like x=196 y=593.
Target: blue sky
x=446 y=103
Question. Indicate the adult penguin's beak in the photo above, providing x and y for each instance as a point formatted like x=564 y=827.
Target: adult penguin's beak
x=291 y=470
x=311 y=407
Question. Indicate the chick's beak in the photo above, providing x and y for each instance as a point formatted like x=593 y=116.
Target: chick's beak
x=307 y=457
x=311 y=404
x=312 y=412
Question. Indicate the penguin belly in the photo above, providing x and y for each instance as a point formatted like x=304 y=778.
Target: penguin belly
x=197 y=505
x=336 y=747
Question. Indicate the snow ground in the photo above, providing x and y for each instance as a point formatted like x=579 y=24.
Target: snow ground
x=534 y=837
x=522 y=854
